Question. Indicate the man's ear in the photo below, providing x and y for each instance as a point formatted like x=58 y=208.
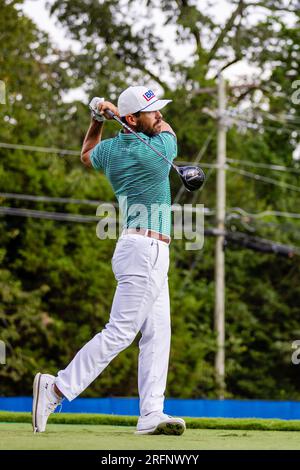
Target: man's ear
x=131 y=120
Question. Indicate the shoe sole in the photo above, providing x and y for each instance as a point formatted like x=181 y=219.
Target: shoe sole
x=36 y=392
x=166 y=427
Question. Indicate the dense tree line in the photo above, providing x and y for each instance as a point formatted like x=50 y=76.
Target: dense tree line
x=56 y=279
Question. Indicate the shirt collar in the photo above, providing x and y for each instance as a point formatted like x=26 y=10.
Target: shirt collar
x=130 y=136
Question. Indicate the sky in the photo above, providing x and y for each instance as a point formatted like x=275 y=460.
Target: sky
x=36 y=9
x=221 y=10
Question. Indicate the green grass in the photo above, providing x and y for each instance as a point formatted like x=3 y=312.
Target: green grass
x=192 y=423
x=19 y=436
x=106 y=432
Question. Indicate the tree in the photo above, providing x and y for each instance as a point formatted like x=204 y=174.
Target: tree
x=41 y=259
x=56 y=280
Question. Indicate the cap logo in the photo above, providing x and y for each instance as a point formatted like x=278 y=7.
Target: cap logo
x=149 y=95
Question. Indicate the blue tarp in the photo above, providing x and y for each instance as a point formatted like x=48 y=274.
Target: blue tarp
x=178 y=407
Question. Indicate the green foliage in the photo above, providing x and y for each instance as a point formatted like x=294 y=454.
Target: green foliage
x=56 y=279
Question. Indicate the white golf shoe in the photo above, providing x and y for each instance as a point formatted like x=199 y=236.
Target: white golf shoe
x=160 y=423
x=45 y=401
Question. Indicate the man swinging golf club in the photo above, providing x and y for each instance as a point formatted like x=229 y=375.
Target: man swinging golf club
x=140 y=262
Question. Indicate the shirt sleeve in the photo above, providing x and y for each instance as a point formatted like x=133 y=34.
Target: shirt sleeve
x=98 y=155
x=166 y=143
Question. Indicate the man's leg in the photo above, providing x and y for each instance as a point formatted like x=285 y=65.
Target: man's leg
x=139 y=284
x=154 y=354
x=153 y=369
x=140 y=269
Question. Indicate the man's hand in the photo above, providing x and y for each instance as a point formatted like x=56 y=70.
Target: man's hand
x=94 y=133
x=107 y=105
x=98 y=107
x=93 y=105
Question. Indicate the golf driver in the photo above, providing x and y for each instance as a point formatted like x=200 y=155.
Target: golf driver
x=192 y=176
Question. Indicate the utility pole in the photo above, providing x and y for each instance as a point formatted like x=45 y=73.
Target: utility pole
x=219 y=313
x=219 y=316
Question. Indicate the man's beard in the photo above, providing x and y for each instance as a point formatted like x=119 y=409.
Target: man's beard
x=149 y=131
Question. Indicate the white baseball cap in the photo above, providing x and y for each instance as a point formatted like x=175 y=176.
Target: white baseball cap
x=139 y=98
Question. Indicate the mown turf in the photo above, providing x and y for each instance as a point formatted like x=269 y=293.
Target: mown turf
x=192 y=423
x=19 y=436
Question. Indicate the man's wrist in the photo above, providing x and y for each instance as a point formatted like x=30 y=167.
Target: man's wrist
x=97 y=117
x=96 y=124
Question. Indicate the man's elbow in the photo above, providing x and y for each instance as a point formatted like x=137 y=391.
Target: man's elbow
x=165 y=127
x=85 y=159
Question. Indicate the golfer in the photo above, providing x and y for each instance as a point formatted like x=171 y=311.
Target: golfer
x=140 y=263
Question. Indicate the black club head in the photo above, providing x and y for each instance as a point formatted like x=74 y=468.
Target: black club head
x=192 y=177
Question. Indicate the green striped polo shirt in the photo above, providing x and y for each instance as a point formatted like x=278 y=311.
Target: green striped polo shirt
x=139 y=177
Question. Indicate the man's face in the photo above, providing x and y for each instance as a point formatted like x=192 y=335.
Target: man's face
x=149 y=123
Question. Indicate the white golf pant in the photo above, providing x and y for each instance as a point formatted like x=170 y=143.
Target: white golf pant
x=141 y=303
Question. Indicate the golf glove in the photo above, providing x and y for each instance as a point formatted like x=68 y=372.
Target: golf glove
x=94 y=109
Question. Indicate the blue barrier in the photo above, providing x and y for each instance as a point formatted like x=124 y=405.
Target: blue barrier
x=178 y=407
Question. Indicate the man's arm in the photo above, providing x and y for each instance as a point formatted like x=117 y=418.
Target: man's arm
x=94 y=133
x=165 y=127
x=92 y=138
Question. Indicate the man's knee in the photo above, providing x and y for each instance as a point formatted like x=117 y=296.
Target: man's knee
x=118 y=335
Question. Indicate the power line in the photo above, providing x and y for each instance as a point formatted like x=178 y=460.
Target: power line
x=267 y=213
x=247 y=120
x=239 y=116
x=261 y=244
x=91 y=202
x=287 y=227
x=66 y=200
x=266 y=115
x=258 y=244
x=280 y=118
x=204 y=165
x=63 y=216
x=264 y=179
x=34 y=148
x=72 y=152
x=246 y=123
x=264 y=165
x=29 y=197
x=255 y=126
x=247 y=218
x=200 y=155
x=247 y=222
